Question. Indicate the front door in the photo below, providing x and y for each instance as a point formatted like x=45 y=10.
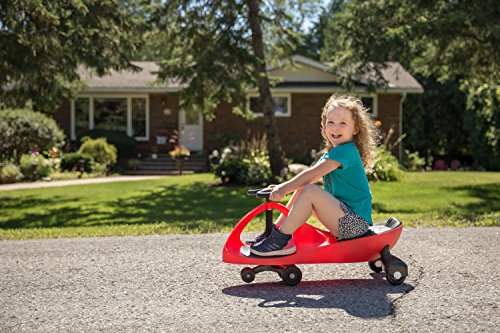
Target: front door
x=191 y=130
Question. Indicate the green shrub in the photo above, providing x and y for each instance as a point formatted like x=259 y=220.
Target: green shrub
x=101 y=151
x=23 y=130
x=232 y=170
x=254 y=170
x=386 y=166
x=246 y=163
x=259 y=169
x=43 y=168
x=100 y=168
x=10 y=173
x=125 y=145
x=413 y=161
x=76 y=161
x=34 y=166
x=28 y=164
x=54 y=163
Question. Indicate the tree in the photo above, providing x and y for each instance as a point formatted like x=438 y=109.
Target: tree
x=446 y=41
x=434 y=120
x=453 y=39
x=313 y=41
x=221 y=49
x=44 y=42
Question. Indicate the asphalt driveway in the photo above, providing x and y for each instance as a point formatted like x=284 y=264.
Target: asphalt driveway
x=178 y=283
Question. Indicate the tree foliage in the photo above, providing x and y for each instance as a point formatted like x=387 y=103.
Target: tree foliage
x=434 y=121
x=314 y=40
x=484 y=123
x=452 y=39
x=44 y=42
x=453 y=46
x=221 y=49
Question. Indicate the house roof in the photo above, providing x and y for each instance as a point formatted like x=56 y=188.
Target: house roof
x=301 y=74
x=398 y=77
x=306 y=73
x=143 y=80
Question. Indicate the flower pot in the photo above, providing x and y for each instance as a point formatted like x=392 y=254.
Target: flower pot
x=179 y=164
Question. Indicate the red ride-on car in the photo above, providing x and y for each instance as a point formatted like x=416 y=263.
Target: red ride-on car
x=316 y=246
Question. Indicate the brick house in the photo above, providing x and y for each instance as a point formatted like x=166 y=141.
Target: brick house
x=130 y=102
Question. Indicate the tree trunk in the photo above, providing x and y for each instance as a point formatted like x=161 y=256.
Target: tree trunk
x=266 y=104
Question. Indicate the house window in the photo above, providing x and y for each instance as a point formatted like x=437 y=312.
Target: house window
x=192 y=117
x=139 y=117
x=82 y=116
x=370 y=102
x=110 y=114
x=282 y=105
x=115 y=113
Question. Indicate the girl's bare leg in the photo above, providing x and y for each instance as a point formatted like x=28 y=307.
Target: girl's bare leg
x=312 y=197
x=289 y=205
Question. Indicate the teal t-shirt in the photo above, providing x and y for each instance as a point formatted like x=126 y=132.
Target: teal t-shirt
x=348 y=183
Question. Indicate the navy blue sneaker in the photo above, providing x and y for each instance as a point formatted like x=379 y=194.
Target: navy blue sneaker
x=277 y=244
x=257 y=239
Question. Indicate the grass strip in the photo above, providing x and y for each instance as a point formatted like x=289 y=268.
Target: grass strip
x=192 y=204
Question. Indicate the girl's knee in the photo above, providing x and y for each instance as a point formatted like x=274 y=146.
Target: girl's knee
x=309 y=190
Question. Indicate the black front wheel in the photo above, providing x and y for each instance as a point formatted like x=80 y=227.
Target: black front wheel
x=291 y=275
x=247 y=275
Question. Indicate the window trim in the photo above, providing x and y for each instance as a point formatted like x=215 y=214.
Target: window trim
x=129 y=112
x=280 y=94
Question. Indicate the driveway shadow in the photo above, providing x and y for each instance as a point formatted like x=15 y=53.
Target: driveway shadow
x=364 y=298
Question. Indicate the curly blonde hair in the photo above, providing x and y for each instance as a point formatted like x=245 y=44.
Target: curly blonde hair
x=367 y=136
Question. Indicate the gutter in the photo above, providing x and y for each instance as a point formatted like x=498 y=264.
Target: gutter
x=401 y=126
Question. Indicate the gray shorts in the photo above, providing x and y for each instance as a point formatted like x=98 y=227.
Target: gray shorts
x=351 y=225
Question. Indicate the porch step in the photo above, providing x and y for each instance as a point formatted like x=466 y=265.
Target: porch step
x=165 y=165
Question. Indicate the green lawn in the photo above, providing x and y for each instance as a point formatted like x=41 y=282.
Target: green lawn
x=190 y=204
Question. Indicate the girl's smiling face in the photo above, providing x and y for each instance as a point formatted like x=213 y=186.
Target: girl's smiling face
x=339 y=126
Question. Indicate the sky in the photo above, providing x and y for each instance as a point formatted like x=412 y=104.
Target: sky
x=309 y=22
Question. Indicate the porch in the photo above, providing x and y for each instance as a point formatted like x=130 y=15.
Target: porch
x=165 y=165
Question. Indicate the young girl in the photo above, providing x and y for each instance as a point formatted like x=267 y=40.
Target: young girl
x=344 y=206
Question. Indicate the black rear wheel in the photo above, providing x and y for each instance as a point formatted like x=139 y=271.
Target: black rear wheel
x=291 y=275
x=396 y=273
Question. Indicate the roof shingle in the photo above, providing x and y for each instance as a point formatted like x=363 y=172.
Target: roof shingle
x=145 y=80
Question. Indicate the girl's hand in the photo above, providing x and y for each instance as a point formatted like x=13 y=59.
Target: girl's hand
x=277 y=193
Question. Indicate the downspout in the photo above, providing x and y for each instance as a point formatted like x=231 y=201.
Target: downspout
x=401 y=126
